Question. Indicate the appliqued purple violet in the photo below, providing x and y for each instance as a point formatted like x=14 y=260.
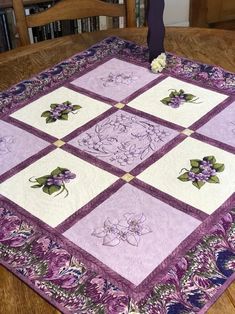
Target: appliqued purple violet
x=60 y=111
x=54 y=182
x=202 y=171
x=178 y=98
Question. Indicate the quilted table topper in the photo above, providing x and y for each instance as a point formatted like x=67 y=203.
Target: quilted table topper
x=117 y=184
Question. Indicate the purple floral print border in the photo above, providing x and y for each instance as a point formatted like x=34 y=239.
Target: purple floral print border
x=211 y=76
x=47 y=266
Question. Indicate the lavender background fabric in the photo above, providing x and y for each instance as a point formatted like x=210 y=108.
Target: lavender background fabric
x=16 y=145
x=116 y=79
x=222 y=126
x=168 y=226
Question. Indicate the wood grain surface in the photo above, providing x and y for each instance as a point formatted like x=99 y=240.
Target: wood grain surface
x=205 y=45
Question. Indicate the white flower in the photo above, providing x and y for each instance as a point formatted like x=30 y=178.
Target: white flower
x=159 y=63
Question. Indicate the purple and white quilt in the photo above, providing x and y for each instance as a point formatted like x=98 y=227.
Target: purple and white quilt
x=117 y=186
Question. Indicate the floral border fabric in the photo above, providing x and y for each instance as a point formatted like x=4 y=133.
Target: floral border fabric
x=61 y=277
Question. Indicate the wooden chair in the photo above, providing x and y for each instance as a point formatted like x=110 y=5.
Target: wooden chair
x=69 y=10
x=212 y=13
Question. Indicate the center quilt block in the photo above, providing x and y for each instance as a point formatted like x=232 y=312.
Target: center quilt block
x=124 y=139
x=117 y=185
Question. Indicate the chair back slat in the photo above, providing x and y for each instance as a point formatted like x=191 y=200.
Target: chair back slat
x=21 y=23
x=67 y=10
x=70 y=10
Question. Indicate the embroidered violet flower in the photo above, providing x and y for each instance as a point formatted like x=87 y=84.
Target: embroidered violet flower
x=202 y=171
x=60 y=111
x=202 y=177
x=205 y=164
x=65 y=106
x=209 y=172
x=55 y=114
x=68 y=175
x=178 y=98
x=55 y=182
x=192 y=176
x=176 y=101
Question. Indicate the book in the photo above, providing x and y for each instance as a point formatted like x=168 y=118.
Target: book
x=6 y=34
x=3 y=43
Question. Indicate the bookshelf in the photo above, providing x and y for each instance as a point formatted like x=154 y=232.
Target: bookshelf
x=8 y=3
x=8 y=31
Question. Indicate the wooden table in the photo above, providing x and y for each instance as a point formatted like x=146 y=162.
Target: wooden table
x=206 y=45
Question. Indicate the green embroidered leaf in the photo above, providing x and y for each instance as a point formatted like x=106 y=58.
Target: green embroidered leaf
x=36 y=186
x=46 y=114
x=211 y=159
x=56 y=172
x=53 y=106
x=51 y=189
x=214 y=179
x=63 y=169
x=67 y=103
x=42 y=180
x=219 y=167
x=189 y=97
x=174 y=93
x=195 y=170
x=184 y=177
x=198 y=184
x=65 y=111
x=195 y=163
x=76 y=107
x=64 y=116
x=166 y=100
x=50 y=120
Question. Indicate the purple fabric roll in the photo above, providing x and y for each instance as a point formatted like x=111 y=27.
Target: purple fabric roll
x=156 y=29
